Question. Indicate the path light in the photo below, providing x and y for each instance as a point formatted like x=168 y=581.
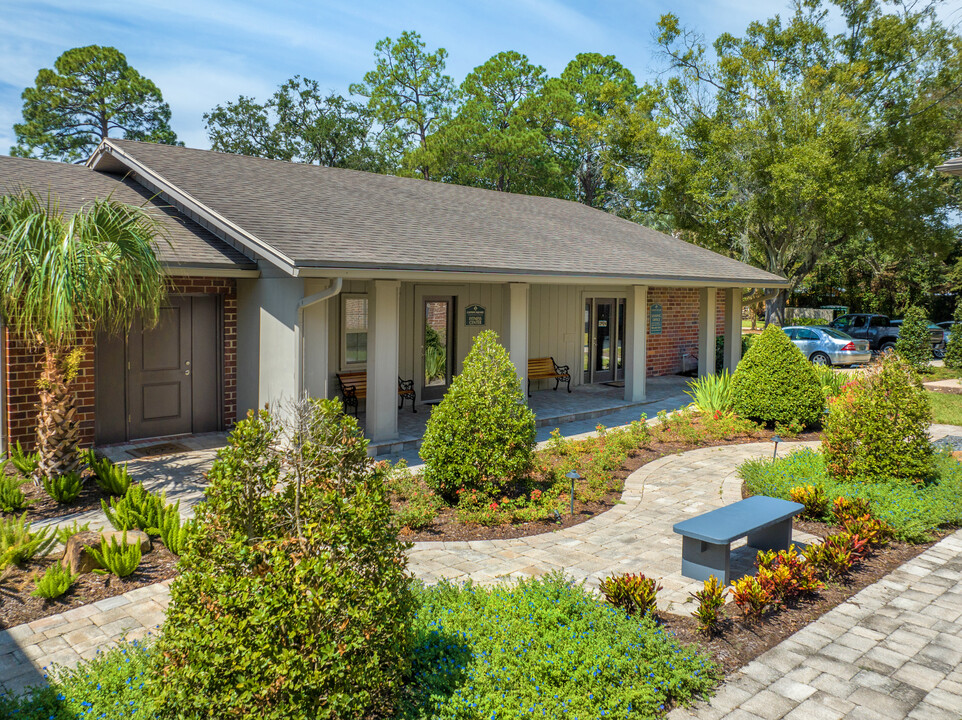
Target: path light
x=573 y=475
x=776 y=440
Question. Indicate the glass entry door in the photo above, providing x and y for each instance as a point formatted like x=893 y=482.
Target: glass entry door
x=604 y=340
x=437 y=347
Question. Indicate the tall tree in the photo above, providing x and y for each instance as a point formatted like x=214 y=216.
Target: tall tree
x=499 y=138
x=796 y=140
x=597 y=84
x=90 y=94
x=408 y=93
x=63 y=278
x=297 y=123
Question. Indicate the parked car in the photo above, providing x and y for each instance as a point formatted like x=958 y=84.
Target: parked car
x=881 y=332
x=938 y=348
x=825 y=345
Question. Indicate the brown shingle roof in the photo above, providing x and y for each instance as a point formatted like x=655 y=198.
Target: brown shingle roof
x=73 y=186
x=951 y=167
x=335 y=218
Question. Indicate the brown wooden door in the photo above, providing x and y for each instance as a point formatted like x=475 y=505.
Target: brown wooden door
x=159 y=373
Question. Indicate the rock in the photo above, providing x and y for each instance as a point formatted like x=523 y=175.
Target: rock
x=78 y=561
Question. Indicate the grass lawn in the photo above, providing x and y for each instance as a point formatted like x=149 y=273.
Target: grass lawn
x=940 y=373
x=946 y=408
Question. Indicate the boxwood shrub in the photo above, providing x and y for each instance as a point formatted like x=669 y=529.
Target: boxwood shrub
x=775 y=383
x=482 y=434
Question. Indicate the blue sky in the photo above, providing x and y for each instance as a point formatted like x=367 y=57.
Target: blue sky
x=204 y=52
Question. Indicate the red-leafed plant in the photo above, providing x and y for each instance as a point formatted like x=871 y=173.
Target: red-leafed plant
x=632 y=593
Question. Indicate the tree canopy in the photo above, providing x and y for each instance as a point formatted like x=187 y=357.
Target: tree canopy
x=91 y=93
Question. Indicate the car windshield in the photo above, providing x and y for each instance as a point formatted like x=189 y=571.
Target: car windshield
x=832 y=332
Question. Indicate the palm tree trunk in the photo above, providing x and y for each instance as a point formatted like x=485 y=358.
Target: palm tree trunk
x=58 y=432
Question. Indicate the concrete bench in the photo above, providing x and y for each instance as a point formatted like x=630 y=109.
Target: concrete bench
x=707 y=539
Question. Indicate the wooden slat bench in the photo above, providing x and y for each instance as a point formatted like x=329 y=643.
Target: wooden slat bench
x=547 y=369
x=707 y=538
x=354 y=388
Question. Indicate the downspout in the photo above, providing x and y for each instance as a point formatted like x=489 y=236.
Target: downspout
x=336 y=285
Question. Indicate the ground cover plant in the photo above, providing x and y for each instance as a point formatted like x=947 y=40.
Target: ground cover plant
x=544 y=648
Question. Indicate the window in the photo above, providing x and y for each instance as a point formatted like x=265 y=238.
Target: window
x=353 y=331
x=805 y=334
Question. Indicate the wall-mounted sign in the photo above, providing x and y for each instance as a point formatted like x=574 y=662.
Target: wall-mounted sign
x=654 y=320
x=474 y=315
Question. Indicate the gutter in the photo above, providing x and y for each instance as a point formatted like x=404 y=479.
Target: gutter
x=336 y=286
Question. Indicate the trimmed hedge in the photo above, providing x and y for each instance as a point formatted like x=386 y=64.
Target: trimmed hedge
x=775 y=383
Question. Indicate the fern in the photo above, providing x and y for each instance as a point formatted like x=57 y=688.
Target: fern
x=65 y=532
x=114 y=479
x=25 y=462
x=137 y=509
x=119 y=559
x=172 y=532
x=64 y=489
x=12 y=498
x=54 y=582
x=19 y=543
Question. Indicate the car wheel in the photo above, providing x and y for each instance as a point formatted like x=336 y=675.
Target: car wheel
x=821 y=359
x=887 y=348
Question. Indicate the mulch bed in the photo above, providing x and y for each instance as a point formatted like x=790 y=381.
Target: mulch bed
x=45 y=507
x=740 y=643
x=446 y=527
x=17 y=606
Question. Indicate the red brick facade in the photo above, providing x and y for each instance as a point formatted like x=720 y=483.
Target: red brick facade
x=22 y=369
x=679 y=329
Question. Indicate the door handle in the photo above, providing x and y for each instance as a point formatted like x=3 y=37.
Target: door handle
x=186 y=372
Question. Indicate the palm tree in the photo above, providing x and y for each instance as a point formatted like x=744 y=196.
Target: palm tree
x=64 y=278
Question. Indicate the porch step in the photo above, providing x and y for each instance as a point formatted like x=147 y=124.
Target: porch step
x=403 y=445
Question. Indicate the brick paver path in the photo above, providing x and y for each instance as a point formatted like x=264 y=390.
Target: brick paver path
x=894 y=650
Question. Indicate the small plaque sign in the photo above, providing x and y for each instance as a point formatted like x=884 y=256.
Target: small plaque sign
x=474 y=315
x=654 y=320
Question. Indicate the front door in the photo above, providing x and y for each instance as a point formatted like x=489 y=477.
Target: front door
x=604 y=339
x=173 y=371
x=438 y=347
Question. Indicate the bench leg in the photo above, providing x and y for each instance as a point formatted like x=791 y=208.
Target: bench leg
x=774 y=537
x=529 y=388
x=700 y=560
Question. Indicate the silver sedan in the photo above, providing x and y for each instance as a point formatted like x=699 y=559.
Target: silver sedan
x=827 y=346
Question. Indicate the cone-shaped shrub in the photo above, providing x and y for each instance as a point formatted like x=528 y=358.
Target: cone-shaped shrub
x=914 y=344
x=482 y=433
x=953 y=349
x=877 y=428
x=774 y=382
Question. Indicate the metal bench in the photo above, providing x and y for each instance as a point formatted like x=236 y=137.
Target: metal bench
x=707 y=538
x=354 y=388
x=547 y=369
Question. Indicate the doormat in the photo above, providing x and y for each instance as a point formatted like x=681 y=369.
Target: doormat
x=616 y=383
x=168 y=448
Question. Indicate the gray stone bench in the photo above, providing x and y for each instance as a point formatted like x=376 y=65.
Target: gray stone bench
x=707 y=538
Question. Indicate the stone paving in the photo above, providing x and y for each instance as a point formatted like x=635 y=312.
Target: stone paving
x=894 y=650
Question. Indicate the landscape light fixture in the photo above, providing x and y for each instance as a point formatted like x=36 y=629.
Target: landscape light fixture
x=776 y=440
x=573 y=475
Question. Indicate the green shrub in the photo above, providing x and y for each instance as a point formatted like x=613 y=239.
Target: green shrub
x=913 y=344
x=65 y=488
x=138 y=509
x=544 y=648
x=482 y=434
x=877 y=429
x=912 y=510
x=808 y=321
x=774 y=382
x=711 y=393
x=108 y=686
x=55 y=581
x=953 y=349
x=720 y=350
x=26 y=463
x=12 y=498
x=116 y=558
x=635 y=594
x=113 y=479
x=20 y=543
x=65 y=532
x=292 y=599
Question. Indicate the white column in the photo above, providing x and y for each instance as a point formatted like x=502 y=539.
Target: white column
x=267 y=342
x=706 y=332
x=383 y=338
x=636 y=343
x=518 y=330
x=733 y=328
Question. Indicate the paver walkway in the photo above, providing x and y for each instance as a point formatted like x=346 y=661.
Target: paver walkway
x=894 y=650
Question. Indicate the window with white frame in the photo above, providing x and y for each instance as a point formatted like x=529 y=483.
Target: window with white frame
x=353 y=331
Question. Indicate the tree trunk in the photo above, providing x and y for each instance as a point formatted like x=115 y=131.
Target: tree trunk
x=775 y=308
x=58 y=432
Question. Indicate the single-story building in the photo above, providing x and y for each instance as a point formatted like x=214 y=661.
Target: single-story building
x=285 y=275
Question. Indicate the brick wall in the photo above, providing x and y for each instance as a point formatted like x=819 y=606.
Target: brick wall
x=679 y=330
x=23 y=363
